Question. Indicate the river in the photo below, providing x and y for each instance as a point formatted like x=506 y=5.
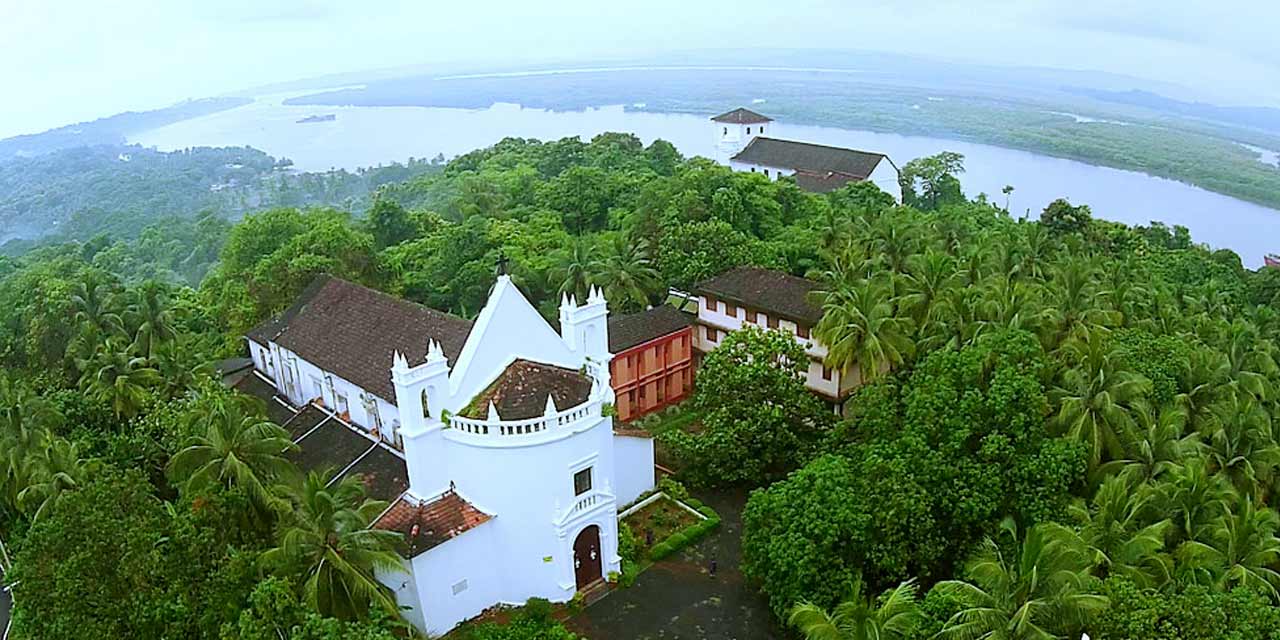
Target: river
x=367 y=136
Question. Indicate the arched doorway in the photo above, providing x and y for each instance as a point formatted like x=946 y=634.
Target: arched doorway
x=586 y=556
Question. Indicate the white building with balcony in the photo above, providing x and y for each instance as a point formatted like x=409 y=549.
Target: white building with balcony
x=493 y=439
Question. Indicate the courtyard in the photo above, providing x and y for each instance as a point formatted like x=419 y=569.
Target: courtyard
x=678 y=598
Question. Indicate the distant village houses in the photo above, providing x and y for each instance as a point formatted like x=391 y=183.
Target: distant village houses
x=742 y=143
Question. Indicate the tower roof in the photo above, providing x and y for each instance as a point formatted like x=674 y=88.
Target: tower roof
x=741 y=116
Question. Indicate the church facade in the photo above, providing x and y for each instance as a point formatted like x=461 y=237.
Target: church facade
x=500 y=431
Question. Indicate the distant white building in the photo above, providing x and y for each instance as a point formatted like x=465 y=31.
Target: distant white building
x=493 y=439
x=742 y=143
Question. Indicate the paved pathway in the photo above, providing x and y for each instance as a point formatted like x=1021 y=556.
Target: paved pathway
x=678 y=599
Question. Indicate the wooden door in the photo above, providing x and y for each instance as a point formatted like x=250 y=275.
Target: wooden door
x=586 y=556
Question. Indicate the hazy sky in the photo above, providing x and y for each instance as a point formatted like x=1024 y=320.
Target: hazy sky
x=68 y=60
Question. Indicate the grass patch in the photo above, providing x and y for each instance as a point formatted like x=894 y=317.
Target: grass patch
x=664 y=518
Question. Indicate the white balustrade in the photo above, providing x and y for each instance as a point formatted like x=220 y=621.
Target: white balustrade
x=519 y=429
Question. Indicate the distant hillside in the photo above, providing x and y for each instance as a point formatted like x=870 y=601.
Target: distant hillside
x=113 y=130
x=1264 y=118
x=81 y=192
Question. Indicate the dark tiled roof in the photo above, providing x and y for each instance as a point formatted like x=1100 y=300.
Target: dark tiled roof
x=304 y=421
x=521 y=391
x=633 y=329
x=772 y=292
x=353 y=332
x=811 y=158
x=822 y=182
x=332 y=447
x=262 y=390
x=438 y=522
x=741 y=116
x=384 y=474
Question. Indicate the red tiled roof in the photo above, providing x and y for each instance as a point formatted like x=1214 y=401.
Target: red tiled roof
x=520 y=391
x=633 y=329
x=773 y=292
x=437 y=522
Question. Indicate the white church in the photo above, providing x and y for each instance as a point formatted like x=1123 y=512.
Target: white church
x=492 y=439
x=748 y=141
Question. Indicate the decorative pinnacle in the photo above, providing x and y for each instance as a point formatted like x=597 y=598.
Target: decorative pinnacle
x=399 y=362
x=493 y=413
x=564 y=299
x=434 y=352
x=551 y=406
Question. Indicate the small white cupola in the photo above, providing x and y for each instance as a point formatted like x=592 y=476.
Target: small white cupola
x=734 y=130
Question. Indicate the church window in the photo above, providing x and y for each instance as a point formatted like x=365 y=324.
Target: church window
x=582 y=482
x=726 y=131
x=761 y=129
x=426 y=410
x=753 y=169
x=766 y=173
x=748 y=130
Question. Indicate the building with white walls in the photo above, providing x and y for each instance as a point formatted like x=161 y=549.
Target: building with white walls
x=493 y=440
x=769 y=299
x=742 y=143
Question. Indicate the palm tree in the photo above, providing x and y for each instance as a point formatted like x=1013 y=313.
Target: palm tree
x=58 y=470
x=627 y=274
x=1071 y=299
x=1202 y=380
x=860 y=328
x=330 y=544
x=150 y=316
x=1243 y=448
x=1193 y=499
x=956 y=323
x=25 y=420
x=930 y=275
x=1242 y=549
x=1094 y=397
x=236 y=448
x=1250 y=359
x=1009 y=304
x=576 y=268
x=1042 y=590
x=118 y=378
x=1118 y=530
x=1159 y=446
x=860 y=616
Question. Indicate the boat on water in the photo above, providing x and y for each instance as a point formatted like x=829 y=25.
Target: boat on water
x=1272 y=260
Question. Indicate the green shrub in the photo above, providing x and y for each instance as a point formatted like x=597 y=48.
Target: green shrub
x=538 y=609
x=679 y=539
x=708 y=512
x=695 y=503
x=673 y=489
x=661 y=550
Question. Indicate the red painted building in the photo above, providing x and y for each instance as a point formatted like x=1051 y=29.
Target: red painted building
x=652 y=360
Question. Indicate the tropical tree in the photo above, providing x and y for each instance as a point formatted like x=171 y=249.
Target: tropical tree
x=1095 y=396
x=861 y=616
x=1040 y=590
x=234 y=448
x=152 y=321
x=25 y=420
x=1117 y=528
x=1241 y=549
x=117 y=378
x=330 y=546
x=577 y=268
x=627 y=274
x=861 y=328
x=1158 y=447
x=56 y=470
x=1242 y=448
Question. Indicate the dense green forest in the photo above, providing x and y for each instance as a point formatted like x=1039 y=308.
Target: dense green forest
x=1070 y=424
x=117 y=190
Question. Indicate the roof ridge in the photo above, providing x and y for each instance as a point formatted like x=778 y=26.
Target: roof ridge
x=812 y=144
